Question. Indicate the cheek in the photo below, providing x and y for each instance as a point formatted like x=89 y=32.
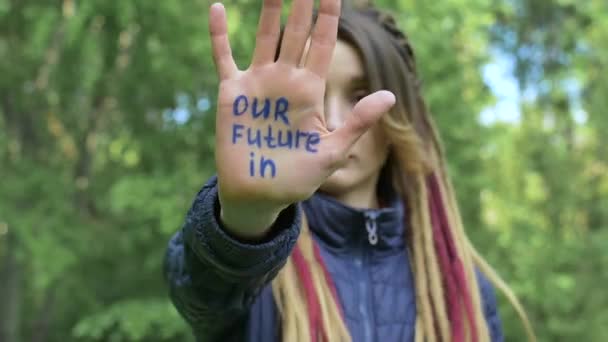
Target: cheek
x=376 y=141
x=372 y=148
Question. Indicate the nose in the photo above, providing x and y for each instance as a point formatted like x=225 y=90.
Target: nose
x=334 y=113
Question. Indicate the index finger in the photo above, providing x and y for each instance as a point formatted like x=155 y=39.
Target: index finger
x=324 y=37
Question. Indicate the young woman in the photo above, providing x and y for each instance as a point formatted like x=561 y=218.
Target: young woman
x=331 y=217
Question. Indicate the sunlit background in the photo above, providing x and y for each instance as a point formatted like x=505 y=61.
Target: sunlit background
x=107 y=130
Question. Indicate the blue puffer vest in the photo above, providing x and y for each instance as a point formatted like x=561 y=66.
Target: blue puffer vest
x=221 y=285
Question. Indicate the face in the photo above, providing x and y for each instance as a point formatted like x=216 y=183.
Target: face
x=346 y=85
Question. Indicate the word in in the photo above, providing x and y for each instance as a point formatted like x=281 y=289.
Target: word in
x=264 y=164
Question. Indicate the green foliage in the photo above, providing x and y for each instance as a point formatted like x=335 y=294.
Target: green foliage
x=133 y=320
x=107 y=131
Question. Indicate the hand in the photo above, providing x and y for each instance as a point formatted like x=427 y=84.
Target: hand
x=272 y=144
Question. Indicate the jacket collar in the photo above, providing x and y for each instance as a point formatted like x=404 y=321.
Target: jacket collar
x=343 y=228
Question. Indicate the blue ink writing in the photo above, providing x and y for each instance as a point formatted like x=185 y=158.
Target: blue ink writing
x=269 y=137
x=272 y=138
x=264 y=165
x=284 y=143
x=313 y=140
x=235 y=132
x=236 y=106
x=265 y=111
x=255 y=141
x=251 y=165
x=281 y=106
x=280 y=110
x=298 y=135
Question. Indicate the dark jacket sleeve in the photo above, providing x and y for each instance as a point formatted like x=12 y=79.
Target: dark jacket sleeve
x=213 y=278
x=490 y=308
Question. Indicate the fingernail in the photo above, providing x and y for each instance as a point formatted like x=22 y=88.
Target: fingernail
x=390 y=95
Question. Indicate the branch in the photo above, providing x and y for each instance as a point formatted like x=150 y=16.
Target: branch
x=51 y=57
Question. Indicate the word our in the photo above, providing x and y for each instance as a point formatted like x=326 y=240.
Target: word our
x=241 y=105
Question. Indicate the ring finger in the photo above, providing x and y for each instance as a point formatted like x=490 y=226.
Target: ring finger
x=296 y=32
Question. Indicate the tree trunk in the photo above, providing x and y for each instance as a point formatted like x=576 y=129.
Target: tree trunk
x=10 y=296
x=43 y=322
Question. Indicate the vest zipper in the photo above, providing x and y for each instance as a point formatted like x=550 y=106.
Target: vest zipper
x=364 y=307
x=365 y=302
x=372 y=227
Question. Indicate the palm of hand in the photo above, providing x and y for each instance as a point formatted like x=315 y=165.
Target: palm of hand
x=274 y=138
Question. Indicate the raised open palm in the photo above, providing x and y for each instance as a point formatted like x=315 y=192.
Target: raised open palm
x=272 y=144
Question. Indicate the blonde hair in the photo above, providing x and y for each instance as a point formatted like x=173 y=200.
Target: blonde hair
x=303 y=288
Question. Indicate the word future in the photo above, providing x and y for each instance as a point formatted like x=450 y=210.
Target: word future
x=271 y=137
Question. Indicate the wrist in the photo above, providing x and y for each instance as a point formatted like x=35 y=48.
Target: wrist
x=248 y=220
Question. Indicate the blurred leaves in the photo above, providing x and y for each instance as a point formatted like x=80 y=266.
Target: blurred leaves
x=133 y=320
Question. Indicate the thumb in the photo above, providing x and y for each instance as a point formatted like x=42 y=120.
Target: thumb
x=365 y=114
